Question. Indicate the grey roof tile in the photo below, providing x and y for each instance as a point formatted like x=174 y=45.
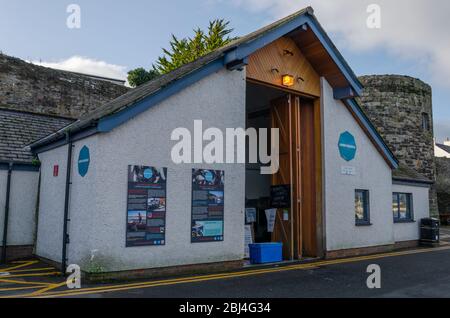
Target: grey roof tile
x=19 y=129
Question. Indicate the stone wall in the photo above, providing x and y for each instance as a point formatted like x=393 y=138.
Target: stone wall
x=396 y=105
x=36 y=89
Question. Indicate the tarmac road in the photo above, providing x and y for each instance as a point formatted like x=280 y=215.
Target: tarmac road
x=414 y=275
x=411 y=273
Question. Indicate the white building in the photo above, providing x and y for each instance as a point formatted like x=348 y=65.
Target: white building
x=442 y=150
x=345 y=199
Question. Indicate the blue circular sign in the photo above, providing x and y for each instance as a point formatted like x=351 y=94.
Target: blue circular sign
x=83 y=161
x=148 y=173
x=209 y=176
x=347 y=146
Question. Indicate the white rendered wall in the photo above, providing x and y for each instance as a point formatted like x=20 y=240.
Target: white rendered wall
x=98 y=203
x=372 y=173
x=440 y=153
x=410 y=231
x=3 y=180
x=51 y=204
x=22 y=206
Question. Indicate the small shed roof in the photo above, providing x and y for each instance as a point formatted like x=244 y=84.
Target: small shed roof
x=406 y=174
x=18 y=129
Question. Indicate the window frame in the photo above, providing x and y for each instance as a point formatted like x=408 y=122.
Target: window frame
x=409 y=203
x=426 y=122
x=366 y=208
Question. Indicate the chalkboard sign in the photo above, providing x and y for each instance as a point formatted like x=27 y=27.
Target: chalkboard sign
x=280 y=196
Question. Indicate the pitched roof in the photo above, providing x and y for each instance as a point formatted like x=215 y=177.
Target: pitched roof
x=444 y=147
x=152 y=87
x=18 y=129
x=406 y=174
x=134 y=102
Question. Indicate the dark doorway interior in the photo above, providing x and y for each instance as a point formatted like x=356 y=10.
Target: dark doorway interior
x=297 y=227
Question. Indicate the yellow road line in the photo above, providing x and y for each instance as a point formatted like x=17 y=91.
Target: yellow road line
x=19 y=282
x=24 y=264
x=21 y=262
x=193 y=279
x=32 y=270
x=32 y=275
x=48 y=288
x=161 y=283
x=18 y=288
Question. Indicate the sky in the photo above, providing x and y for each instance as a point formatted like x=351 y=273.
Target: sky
x=116 y=36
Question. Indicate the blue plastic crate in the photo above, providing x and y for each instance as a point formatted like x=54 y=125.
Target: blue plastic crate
x=262 y=253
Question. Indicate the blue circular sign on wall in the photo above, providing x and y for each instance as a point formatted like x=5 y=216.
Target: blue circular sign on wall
x=347 y=146
x=209 y=176
x=83 y=161
x=148 y=173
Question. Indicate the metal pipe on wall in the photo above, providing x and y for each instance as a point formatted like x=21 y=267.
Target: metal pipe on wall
x=66 y=205
x=6 y=217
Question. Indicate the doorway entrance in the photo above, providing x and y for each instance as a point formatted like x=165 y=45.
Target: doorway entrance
x=298 y=225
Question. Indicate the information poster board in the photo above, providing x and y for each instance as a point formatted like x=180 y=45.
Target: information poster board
x=207 y=205
x=146 y=206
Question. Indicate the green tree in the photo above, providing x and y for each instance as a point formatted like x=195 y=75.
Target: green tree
x=139 y=76
x=186 y=50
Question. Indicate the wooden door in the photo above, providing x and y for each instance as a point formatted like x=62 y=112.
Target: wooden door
x=297 y=122
x=283 y=117
x=309 y=177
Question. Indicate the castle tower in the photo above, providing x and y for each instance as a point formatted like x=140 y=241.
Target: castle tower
x=401 y=109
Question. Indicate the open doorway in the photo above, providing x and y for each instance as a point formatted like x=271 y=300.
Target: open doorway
x=298 y=224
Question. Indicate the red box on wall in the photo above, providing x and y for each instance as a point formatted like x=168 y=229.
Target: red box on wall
x=55 y=170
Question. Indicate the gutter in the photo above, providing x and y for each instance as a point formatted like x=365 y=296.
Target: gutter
x=76 y=130
x=6 y=216
x=402 y=181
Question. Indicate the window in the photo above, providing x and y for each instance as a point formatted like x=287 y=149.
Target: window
x=402 y=207
x=425 y=122
x=362 y=215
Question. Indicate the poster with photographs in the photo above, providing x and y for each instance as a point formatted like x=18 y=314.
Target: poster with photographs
x=207 y=205
x=146 y=206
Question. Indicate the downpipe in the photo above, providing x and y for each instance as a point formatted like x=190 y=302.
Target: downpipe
x=6 y=216
x=66 y=205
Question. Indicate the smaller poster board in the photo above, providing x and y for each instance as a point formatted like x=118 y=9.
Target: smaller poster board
x=250 y=215
x=207 y=217
x=270 y=215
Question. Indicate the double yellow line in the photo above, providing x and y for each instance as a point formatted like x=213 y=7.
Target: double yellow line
x=195 y=279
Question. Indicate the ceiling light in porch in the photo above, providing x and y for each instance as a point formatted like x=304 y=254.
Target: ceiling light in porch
x=288 y=80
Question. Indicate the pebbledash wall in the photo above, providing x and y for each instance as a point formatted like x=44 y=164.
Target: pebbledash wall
x=98 y=201
x=371 y=173
x=21 y=223
x=407 y=231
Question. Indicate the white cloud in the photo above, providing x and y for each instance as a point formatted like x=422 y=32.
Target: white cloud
x=410 y=29
x=87 y=66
